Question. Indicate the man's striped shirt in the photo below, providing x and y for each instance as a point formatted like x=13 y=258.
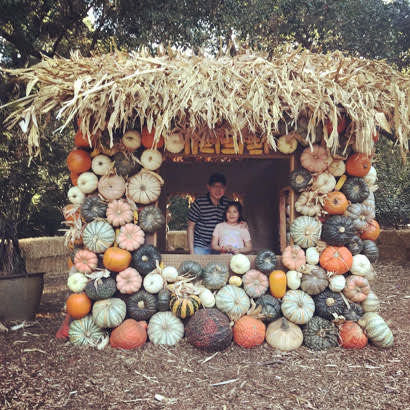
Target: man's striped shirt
x=206 y=216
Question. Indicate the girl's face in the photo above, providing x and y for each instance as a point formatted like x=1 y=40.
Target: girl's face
x=232 y=214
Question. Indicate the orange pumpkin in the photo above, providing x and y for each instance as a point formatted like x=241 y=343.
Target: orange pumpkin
x=352 y=336
x=341 y=125
x=130 y=334
x=78 y=161
x=293 y=257
x=249 y=332
x=336 y=259
x=372 y=230
x=116 y=259
x=335 y=203
x=78 y=305
x=277 y=283
x=147 y=138
x=81 y=140
x=74 y=178
x=358 y=165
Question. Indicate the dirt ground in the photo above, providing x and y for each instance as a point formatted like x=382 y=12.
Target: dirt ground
x=38 y=371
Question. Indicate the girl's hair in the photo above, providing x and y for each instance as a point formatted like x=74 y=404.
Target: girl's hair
x=238 y=206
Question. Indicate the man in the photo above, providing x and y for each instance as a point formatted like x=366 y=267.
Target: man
x=205 y=213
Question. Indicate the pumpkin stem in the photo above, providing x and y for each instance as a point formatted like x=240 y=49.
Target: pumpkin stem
x=285 y=324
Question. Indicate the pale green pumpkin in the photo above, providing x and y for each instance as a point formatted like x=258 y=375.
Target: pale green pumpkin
x=98 y=236
x=108 y=313
x=233 y=301
x=377 y=329
x=165 y=328
x=305 y=231
x=297 y=306
x=84 y=332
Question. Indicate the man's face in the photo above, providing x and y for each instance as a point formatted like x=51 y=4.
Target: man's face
x=216 y=190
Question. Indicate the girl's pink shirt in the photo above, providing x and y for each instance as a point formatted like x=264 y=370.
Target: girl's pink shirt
x=231 y=235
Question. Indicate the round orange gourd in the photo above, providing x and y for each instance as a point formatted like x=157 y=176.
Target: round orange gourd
x=358 y=165
x=277 y=283
x=249 y=332
x=372 y=231
x=341 y=125
x=336 y=259
x=78 y=161
x=130 y=334
x=352 y=336
x=78 y=305
x=81 y=140
x=147 y=138
x=74 y=178
x=335 y=203
x=116 y=259
x=293 y=257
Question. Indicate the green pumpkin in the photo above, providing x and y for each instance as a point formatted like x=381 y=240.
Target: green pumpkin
x=125 y=164
x=141 y=305
x=270 y=307
x=190 y=269
x=360 y=214
x=109 y=313
x=151 y=219
x=93 y=207
x=98 y=236
x=297 y=306
x=102 y=288
x=320 y=334
x=233 y=301
x=305 y=231
x=370 y=250
x=327 y=303
x=355 y=189
x=314 y=282
x=145 y=259
x=355 y=245
x=163 y=298
x=377 y=330
x=265 y=261
x=84 y=332
x=299 y=179
x=338 y=230
x=215 y=275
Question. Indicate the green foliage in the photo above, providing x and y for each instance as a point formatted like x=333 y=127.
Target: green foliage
x=178 y=210
x=393 y=195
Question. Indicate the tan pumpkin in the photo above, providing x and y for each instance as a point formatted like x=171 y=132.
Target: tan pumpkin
x=101 y=164
x=131 y=140
x=337 y=167
x=131 y=237
x=145 y=187
x=306 y=206
x=129 y=281
x=284 y=335
x=119 y=213
x=324 y=183
x=293 y=257
x=287 y=144
x=111 y=187
x=314 y=159
x=151 y=159
x=175 y=143
x=357 y=288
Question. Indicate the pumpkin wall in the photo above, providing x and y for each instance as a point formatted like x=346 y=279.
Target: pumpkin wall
x=123 y=294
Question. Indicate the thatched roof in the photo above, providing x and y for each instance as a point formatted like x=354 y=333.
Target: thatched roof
x=244 y=92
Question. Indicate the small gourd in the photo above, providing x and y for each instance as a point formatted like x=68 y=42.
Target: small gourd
x=215 y=275
x=235 y=281
x=109 y=313
x=314 y=282
x=371 y=177
x=75 y=195
x=87 y=182
x=240 y=264
x=337 y=283
x=207 y=298
x=293 y=279
x=361 y=266
x=233 y=301
x=297 y=306
x=377 y=329
x=151 y=219
x=312 y=256
x=305 y=231
x=77 y=282
x=165 y=328
x=255 y=283
x=184 y=306
x=371 y=303
x=153 y=282
x=170 y=274
x=284 y=335
x=84 y=332
x=163 y=299
x=320 y=334
x=329 y=303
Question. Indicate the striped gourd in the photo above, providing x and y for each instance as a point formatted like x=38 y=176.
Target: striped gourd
x=108 y=313
x=165 y=329
x=84 y=332
x=98 y=236
x=376 y=329
x=297 y=306
x=233 y=301
x=184 y=306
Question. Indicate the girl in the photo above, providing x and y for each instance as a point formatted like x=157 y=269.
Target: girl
x=232 y=236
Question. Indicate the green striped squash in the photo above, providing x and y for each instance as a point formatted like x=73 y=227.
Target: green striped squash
x=376 y=329
x=305 y=231
x=84 y=332
x=233 y=301
x=184 y=307
x=297 y=306
x=108 y=313
x=165 y=329
x=98 y=236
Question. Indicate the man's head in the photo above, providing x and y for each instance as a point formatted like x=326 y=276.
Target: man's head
x=216 y=186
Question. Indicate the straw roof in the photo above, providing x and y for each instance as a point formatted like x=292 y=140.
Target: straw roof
x=246 y=92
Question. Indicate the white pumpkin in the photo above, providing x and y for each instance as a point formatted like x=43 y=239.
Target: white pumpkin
x=371 y=304
x=337 y=167
x=312 y=256
x=175 y=143
x=131 y=140
x=151 y=159
x=75 y=196
x=337 y=283
x=87 y=182
x=361 y=266
x=233 y=301
x=287 y=144
x=101 y=164
x=145 y=187
x=207 y=298
x=170 y=273
x=240 y=264
x=324 y=183
x=165 y=328
x=371 y=177
x=293 y=279
x=305 y=206
x=77 y=282
x=153 y=282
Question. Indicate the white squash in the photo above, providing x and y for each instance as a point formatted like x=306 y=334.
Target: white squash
x=170 y=273
x=145 y=187
x=371 y=304
x=337 y=167
x=337 y=283
x=77 y=282
x=175 y=143
x=324 y=183
x=165 y=328
x=312 y=256
x=240 y=264
x=233 y=301
x=287 y=144
x=101 y=164
x=131 y=140
x=75 y=196
x=207 y=298
x=153 y=282
x=151 y=159
x=293 y=279
x=361 y=265
x=304 y=206
x=371 y=177
x=87 y=182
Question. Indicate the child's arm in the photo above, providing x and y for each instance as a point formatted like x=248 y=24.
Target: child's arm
x=246 y=249
x=215 y=245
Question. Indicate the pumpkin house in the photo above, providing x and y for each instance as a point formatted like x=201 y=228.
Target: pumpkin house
x=295 y=137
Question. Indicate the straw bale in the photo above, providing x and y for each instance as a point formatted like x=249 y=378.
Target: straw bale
x=36 y=248
x=49 y=264
x=191 y=93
